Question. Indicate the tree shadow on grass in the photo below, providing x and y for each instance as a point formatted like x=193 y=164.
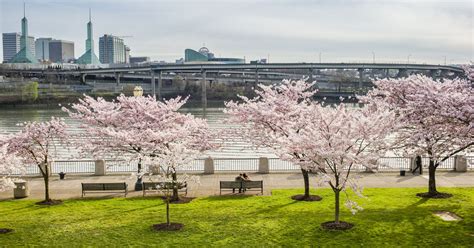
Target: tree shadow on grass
x=227 y=197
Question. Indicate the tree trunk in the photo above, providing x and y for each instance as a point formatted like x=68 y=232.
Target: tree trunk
x=168 y=211
x=306 y=182
x=336 y=215
x=431 y=180
x=46 y=186
x=175 y=196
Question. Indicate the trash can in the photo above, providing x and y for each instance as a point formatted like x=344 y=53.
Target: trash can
x=61 y=175
x=402 y=173
x=21 y=190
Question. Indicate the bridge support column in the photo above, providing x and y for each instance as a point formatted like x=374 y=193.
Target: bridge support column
x=256 y=77
x=117 y=78
x=361 y=77
x=160 y=83
x=83 y=78
x=203 y=89
x=310 y=78
x=153 y=83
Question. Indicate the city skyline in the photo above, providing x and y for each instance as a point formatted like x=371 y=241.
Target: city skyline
x=303 y=31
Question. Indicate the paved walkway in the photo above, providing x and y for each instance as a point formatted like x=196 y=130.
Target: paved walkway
x=209 y=184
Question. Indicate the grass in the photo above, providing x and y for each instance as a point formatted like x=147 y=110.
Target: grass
x=391 y=218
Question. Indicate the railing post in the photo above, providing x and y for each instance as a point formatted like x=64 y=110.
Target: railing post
x=412 y=163
x=263 y=167
x=209 y=166
x=100 y=169
x=460 y=163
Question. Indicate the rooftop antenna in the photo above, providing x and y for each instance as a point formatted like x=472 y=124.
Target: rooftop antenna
x=90 y=15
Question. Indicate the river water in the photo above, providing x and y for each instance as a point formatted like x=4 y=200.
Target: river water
x=11 y=116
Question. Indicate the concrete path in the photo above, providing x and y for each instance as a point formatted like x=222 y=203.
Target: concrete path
x=209 y=184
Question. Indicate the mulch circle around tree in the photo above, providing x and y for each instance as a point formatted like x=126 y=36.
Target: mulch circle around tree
x=435 y=196
x=49 y=203
x=342 y=225
x=182 y=200
x=165 y=227
x=310 y=198
x=5 y=230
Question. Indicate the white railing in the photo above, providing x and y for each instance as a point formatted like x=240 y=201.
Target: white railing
x=386 y=164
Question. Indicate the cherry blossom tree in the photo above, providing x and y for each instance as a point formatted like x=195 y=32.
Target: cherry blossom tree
x=272 y=117
x=437 y=118
x=141 y=128
x=338 y=140
x=10 y=164
x=36 y=144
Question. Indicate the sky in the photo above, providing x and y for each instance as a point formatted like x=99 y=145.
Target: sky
x=420 y=31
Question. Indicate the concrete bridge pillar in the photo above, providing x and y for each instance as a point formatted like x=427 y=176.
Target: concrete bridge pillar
x=361 y=77
x=153 y=83
x=256 y=77
x=117 y=78
x=203 y=89
x=83 y=78
x=160 y=83
x=310 y=75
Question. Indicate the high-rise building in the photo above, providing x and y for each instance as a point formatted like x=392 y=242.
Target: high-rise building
x=61 y=51
x=111 y=50
x=89 y=56
x=127 y=55
x=11 y=45
x=25 y=54
x=42 y=49
x=31 y=45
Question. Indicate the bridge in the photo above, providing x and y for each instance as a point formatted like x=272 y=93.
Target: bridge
x=213 y=72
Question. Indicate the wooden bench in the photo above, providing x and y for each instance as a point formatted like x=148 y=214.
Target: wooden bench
x=156 y=186
x=103 y=187
x=241 y=185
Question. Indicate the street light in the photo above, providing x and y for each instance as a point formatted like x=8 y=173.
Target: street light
x=320 y=57
x=408 y=58
x=137 y=91
x=373 y=56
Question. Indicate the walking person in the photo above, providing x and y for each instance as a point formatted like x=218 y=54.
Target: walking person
x=418 y=165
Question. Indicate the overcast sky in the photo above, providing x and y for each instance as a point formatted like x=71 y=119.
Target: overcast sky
x=286 y=31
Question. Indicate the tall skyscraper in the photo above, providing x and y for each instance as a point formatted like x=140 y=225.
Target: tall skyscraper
x=89 y=56
x=111 y=50
x=11 y=45
x=25 y=54
x=42 y=49
x=61 y=51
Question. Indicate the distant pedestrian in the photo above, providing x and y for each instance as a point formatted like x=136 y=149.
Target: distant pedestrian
x=418 y=165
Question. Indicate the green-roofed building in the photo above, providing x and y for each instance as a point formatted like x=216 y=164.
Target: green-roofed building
x=24 y=55
x=89 y=56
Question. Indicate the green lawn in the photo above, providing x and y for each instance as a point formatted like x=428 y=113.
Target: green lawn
x=391 y=218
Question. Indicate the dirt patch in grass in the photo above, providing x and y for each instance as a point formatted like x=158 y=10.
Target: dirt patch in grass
x=182 y=200
x=435 y=196
x=49 y=203
x=165 y=227
x=309 y=198
x=447 y=216
x=5 y=230
x=342 y=225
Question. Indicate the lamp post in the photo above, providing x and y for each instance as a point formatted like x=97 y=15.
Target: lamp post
x=373 y=57
x=408 y=58
x=138 y=92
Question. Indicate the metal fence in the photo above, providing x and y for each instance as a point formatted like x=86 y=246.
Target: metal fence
x=386 y=164
x=236 y=164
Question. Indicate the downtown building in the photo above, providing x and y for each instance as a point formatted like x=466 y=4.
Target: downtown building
x=42 y=49
x=61 y=51
x=112 y=50
x=11 y=45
